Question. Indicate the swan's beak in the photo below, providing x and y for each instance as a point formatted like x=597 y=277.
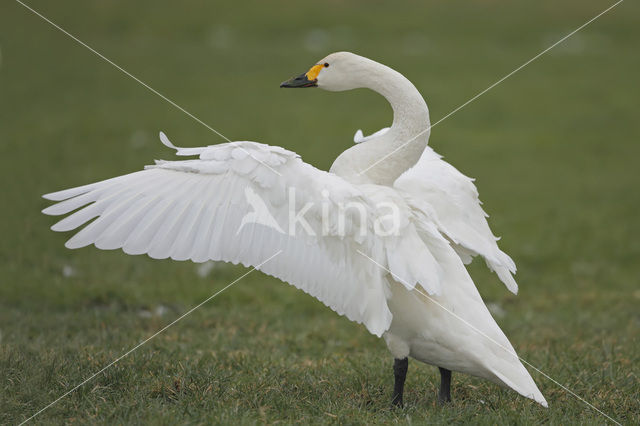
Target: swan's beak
x=308 y=79
x=300 y=81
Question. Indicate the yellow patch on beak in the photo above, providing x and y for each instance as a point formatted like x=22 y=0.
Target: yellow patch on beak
x=312 y=74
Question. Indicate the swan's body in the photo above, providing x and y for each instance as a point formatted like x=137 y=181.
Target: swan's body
x=409 y=286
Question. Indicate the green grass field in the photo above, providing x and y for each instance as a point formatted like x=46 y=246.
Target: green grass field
x=554 y=149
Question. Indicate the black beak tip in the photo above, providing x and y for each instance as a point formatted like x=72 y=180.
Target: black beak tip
x=299 y=81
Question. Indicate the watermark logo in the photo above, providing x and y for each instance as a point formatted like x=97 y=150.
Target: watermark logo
x=324 y=216
x=260 y=214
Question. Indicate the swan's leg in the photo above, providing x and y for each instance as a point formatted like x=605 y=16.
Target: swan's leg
x=445 y=386
x=400 y=367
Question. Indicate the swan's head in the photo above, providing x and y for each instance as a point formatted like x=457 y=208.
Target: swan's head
x=336 y=72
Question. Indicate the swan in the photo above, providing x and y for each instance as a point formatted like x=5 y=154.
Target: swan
x=382 y=238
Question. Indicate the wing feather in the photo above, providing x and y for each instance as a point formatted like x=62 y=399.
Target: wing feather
x=449 y=199
x=198 y=209
x=193 y=209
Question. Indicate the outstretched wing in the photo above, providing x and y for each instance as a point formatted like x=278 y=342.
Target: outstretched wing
x=254 y=204
x=450 y=199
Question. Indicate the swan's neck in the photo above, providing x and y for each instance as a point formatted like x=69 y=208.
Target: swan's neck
x=400 y=148
x=410 y=112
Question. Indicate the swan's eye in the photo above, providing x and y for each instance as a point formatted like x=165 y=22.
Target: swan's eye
x=326 y=64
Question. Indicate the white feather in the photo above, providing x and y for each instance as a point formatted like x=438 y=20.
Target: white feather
x=184 y=210
x=451 y=200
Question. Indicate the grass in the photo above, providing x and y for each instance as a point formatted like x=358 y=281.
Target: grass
x=554 y=149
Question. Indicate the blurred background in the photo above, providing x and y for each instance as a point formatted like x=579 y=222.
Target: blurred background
x=554 y=150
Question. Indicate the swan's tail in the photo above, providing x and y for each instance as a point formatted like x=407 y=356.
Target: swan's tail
x=516 y=377
x=506 y=368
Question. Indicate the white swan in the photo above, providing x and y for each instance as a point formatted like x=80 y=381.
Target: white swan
x=394 y=262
